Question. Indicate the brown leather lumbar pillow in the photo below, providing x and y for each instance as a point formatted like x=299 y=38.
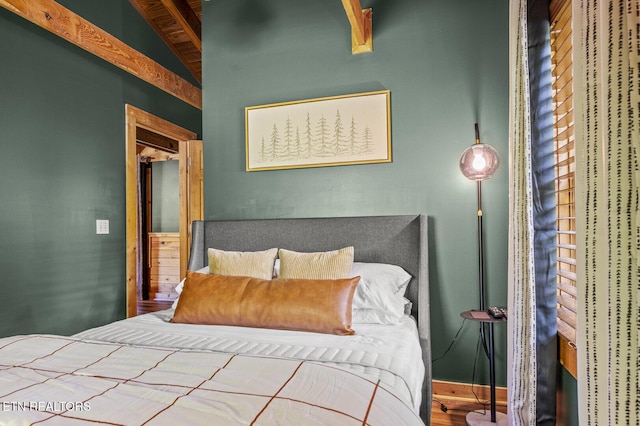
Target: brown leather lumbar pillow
x=322 y=306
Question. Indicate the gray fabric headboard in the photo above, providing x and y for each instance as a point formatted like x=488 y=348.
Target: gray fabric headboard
x=398 y=240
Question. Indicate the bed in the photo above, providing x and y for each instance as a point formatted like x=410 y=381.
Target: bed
x=159 y=369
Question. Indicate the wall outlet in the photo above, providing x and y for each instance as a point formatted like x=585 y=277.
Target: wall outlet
x=102 y=226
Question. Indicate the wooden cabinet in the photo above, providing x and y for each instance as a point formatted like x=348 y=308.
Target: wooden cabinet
x=164 y=265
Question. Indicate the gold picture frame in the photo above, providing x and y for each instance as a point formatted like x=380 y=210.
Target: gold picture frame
x=321 y=132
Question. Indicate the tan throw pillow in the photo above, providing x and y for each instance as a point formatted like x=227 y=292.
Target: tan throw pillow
x=258 y=264
x=326 y=265
x=321 y=306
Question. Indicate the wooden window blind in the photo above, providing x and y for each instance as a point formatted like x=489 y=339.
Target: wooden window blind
x=564 y=158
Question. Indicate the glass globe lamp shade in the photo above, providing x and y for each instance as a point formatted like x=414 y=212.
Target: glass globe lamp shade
x=479 y=162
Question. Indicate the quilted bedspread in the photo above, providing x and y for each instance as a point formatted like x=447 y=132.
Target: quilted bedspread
x=55 y=380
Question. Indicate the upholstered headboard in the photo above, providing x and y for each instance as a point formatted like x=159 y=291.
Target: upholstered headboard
x=398 y=240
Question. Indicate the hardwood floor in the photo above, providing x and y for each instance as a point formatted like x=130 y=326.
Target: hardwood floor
x=453 y=401
x=456 y=412
x=146 y=306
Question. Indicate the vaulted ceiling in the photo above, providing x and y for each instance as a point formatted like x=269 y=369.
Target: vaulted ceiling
x=178 y=23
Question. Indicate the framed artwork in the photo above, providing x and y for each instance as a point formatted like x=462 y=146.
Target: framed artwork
x=332 y=131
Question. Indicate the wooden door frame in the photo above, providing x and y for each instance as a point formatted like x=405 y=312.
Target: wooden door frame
x=137 y=118
x=191 y=194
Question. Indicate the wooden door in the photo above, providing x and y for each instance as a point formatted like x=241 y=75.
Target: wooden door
x=191 y=195
x=166 y=135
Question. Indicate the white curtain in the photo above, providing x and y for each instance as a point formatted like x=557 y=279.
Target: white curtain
x=606 y=60
x=521 y=342
x=607 y=120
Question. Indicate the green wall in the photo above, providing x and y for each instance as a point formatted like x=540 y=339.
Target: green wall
x=567 y=399
x=62 y=132
x=446 y=65
x=165 y=191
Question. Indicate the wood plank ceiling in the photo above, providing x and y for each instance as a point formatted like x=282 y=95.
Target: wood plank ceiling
x=178 y=23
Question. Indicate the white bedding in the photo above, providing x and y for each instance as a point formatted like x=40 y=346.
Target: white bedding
x=388 y=353
x=148 y=371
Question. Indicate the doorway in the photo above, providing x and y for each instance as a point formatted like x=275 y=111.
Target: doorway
x=151 y=136
x=158 y=226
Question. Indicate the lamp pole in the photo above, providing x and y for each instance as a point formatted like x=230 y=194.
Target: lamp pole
x=479 y=162
x=490 y=349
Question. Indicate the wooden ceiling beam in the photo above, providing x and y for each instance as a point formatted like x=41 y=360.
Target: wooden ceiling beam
x=156 y=140
x=360 y=20
x=191 y=58
x=187 y=19
x=144 y=9
x=59 y=20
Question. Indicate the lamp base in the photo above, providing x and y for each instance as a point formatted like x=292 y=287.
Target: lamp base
x=477 y=418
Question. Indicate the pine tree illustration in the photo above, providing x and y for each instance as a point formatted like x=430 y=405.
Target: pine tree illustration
x=276 y=142
x=367 y=139
x=324 y=146
x=288 y=140
x=309 y=140
x=357 y=145
x=343 y=147
x=305 y=147
x=266 y=151
x=297 y=151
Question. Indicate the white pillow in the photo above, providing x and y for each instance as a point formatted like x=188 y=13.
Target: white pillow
x=379 y=297
x=180 y=286
x=381 y=288
x=372 y=316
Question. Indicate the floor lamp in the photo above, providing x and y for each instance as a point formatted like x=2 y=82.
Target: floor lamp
x=479 y=162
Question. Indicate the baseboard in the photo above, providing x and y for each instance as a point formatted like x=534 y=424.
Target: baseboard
x=452 y=391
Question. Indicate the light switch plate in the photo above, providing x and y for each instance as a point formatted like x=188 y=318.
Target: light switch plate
x=102 y=226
